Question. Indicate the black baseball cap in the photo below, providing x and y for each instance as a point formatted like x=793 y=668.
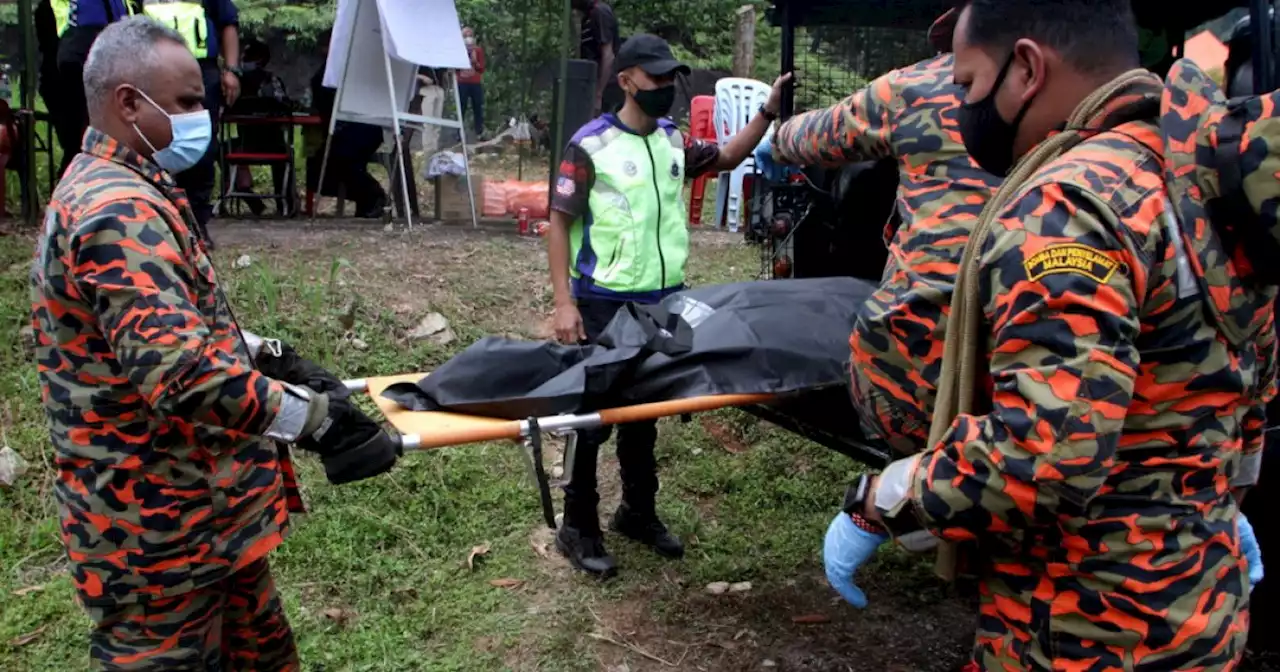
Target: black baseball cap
x=649 y=53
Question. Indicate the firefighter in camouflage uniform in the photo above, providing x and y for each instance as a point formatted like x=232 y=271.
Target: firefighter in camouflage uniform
x=908 y=116
x=1105 y=367
x=163 y=414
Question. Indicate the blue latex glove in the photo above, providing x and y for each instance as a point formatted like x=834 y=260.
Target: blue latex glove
x=771 y=170
x=846 y=548
x=1249 y=547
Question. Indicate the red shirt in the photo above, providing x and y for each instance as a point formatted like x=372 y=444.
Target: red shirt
x=476 y=74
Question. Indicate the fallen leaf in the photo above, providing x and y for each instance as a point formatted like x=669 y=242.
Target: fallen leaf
x=811 y=619
x=12 y=466
x=407 y=593
x=340 y=617
x=29 y=637
x=506 y=583
x=28 y=590
x=476 y=551
x=718 y=588
x=723 y=436
x=543 y=550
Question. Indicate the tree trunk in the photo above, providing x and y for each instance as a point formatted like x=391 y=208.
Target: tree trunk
x=744 y=50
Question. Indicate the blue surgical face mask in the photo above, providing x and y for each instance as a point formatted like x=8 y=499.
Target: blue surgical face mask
x=191 y=135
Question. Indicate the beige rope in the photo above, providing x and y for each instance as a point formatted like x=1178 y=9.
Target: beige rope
x=961 y=357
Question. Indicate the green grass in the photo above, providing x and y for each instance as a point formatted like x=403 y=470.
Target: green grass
x=375 y=577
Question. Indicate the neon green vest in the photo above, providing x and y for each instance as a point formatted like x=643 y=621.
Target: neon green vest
x=61 y=15
x=85 y=13
x=634 y=241
x=187 y=19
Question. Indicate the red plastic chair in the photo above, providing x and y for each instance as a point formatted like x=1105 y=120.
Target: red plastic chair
x=237 y=157
x=701 y=127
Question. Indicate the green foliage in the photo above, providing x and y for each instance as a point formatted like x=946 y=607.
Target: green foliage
x=300 y=21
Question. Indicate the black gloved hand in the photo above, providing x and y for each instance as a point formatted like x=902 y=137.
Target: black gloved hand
x=280 y=361
x=350 y=444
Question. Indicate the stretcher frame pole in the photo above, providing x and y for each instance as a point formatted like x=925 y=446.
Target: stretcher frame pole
x=530 y=432
x=565 y=423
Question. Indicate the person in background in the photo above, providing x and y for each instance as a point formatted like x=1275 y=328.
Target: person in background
x=211 y=29
x=46 y=28
x=471 y=83
x=261 y=93
x=599 y=43
x=619 y=232
x=351 y=149
x=76 y=26
x=163 y=412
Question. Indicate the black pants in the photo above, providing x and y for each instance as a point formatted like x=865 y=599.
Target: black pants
x=198 y=180
x=472 y=96
x=68 y=110
x=639 y=467
x=1261 y=506
x=351 y=149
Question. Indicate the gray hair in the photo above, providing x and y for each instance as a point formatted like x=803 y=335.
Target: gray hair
x=124 y=53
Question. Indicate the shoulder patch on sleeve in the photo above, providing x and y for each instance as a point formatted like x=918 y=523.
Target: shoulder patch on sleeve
x=565 y=186
x=1071 y=258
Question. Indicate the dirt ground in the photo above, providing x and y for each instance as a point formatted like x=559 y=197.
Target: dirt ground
x=378 y=578
x=796 y=623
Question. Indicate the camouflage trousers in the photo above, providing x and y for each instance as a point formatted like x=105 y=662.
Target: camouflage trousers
x=235 y=625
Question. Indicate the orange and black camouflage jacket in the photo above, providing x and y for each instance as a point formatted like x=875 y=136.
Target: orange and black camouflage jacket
x=165 y=483
x=908 y=116
x=1128 y=372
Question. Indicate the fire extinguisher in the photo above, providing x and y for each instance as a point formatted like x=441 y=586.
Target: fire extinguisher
x=523 y=219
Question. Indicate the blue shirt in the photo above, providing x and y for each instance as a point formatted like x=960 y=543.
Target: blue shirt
x=219 y=14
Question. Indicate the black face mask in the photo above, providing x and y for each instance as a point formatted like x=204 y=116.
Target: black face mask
x=987 y=137
x=656 y=103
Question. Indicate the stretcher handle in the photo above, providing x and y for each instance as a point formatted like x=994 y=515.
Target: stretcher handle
x=407 y=441
x=510 y=430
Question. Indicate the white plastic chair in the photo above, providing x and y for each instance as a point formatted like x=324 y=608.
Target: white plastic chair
x=737 y=102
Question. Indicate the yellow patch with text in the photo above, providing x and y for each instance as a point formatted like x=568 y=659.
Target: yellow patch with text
x=1071 y=258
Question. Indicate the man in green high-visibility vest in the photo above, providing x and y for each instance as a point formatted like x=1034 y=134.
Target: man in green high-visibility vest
x=211 y=28
x=619 y=233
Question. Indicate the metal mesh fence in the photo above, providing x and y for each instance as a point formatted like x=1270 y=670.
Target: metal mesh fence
x=834 y=61
x=831 y=63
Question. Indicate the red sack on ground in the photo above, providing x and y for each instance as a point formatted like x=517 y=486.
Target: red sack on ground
x=495 y=199
x=531 y=195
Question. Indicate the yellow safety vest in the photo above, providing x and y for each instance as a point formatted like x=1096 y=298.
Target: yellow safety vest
x=187 y=19
x=61 y=14
x=62 y=10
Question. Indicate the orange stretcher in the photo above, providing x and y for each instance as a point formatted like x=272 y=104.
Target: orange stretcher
x=426 y=430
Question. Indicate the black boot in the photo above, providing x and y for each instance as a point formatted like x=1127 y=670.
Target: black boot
x=585 y=551
x=645 y=528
